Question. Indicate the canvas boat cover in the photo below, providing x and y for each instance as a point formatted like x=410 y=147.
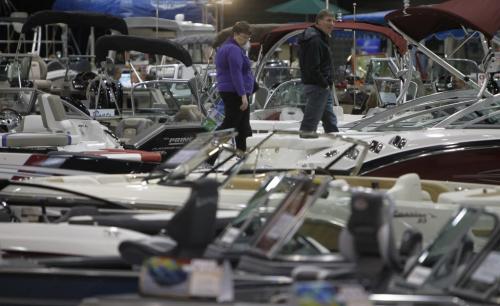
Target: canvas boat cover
x=422 y=21
x=140 y=44
x=277 y=33
x=77 y=19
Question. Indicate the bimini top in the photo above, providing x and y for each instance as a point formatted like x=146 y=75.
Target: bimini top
x=421 y=21
x=140 y=44
x=77 y=19
x=276 y=34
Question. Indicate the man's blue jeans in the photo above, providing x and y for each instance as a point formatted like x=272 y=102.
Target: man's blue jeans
x=319 y=106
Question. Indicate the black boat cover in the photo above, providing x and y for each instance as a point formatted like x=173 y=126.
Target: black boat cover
x=140 y=44
x=77 y=19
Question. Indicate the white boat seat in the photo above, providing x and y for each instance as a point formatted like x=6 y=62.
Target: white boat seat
x=32 y=124
x=38 y=68
x=189 y=113
x=11 y=140
x=54 y=115
x=408 y=187
x=34 y=68
x=42 y=84
x=128 y=128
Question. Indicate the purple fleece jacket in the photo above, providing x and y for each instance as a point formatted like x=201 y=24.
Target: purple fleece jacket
x=234 y=73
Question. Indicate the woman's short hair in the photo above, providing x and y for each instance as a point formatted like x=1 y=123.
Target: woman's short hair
x=242 y=27
x=323 y=14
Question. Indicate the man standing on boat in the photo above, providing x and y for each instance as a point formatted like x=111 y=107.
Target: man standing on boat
x=316 y=67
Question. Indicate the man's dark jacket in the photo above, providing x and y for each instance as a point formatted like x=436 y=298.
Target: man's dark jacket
x=316 y=65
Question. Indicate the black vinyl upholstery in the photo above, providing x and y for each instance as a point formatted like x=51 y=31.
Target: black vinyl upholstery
x=368 y=237
x=193 y=226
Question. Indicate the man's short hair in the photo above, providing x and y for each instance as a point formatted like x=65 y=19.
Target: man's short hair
x=242 y=27
x=323 y=14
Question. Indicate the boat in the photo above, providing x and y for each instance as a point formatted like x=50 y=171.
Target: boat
x=424 y=134
x=55 y=75
x=252 y=239
x=41 y=129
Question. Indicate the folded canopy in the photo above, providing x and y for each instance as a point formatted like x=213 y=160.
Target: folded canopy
x=422 y=21
x=77 y=19
x=140 y=44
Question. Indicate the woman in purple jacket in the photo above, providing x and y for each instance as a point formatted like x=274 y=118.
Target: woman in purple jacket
x=235 y=82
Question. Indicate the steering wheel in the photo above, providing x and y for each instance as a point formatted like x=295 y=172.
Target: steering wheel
x=9 y=119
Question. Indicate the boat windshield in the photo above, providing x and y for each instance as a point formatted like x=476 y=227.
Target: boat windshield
x=289 y=215
x=192 y=155
x=466 y=233
x=480 y=278
x=162 y=97
x=448 y=113
x=17 y=99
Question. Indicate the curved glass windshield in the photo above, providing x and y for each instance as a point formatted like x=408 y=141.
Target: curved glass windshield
x=465 y=234
x=290 y=93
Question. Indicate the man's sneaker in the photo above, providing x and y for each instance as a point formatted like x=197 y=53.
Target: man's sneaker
x=309 y=135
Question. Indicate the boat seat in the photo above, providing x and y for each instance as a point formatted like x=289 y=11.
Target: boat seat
x=368 y=238
x=128 y=128
x=433 y=188
x=192 y=227
x=32 y=124
x=34 y=140
x=35 y=69
x=409 y=188
x=54 y=115
x=38 y=68
x=199 y=212
x=188 y=113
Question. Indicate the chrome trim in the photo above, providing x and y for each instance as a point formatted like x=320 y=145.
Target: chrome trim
x=471 y=122
x=312 y=258
x=437 y=59
x=456 y=116
x=470 y=93
x=421 y=299
x=391 y=122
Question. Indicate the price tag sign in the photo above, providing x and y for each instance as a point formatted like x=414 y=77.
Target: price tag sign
x=418 y=275
x=206 y=278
